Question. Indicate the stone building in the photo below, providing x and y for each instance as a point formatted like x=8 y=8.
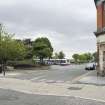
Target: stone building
x=100 y=35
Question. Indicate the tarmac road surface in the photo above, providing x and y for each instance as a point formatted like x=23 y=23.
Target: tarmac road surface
x=52 y=74
x=9 y=97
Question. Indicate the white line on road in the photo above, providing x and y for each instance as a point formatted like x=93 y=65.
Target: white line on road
x=60 y=81
x=50 y=81
x=42 y=80
x=36 y=78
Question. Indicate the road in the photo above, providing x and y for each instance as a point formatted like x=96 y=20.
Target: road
x=53 y=74
x=9 y=97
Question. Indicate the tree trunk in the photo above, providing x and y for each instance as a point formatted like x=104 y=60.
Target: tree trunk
x=0 y=66
x=41 y=60
x=4 y=67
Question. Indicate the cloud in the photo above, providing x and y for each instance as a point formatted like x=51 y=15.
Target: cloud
x=68 y=24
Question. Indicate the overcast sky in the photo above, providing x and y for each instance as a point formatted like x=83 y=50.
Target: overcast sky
x=69 y=24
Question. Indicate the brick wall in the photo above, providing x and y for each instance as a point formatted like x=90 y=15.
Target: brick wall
x=103 y=14
x=100 y=16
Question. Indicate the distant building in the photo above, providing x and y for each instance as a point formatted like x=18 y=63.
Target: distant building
x=100 y=35
x=26 y=42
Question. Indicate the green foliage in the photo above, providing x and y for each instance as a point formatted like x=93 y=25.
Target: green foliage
x=28 y=44
x=10 y=49
x=83 y=58
x=61 y=55
x=18 y=62
x=42 y=48
x=56 y=56
x=29 y=54
x=88 y=56
x=95 y=56
x=75 y=57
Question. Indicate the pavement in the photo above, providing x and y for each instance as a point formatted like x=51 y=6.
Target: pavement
x=10 y=97
x=84 y=91
x=92 y=79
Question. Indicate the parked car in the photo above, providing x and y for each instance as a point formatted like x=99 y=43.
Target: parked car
x=90 y=66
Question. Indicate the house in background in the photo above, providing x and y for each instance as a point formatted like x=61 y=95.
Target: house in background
x=100 y=35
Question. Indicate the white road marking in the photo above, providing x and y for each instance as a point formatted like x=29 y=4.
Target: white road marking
x=36 y=78
x=60 y=81
x=42 y=80
x=49 y=81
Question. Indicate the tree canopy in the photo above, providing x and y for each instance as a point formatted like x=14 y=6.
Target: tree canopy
x=82 y=58
x=75 y=57
x=10 y=49
x=42 y=48
x=61 y=55
x=95 y=56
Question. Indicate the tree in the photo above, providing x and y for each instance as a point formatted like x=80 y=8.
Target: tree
x=95 y=56
x=88 y=56
x=83 y=58
x=56 y=56
x=42 y=48
x=75 y=57
x=10 y=49
x=29 y=54
x=61 y=55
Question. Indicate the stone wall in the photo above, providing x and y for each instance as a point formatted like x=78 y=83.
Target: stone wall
x=101 y=66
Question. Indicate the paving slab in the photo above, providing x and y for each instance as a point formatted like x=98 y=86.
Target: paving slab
x=92 y=79
x=57 y=89
x=10 y=97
